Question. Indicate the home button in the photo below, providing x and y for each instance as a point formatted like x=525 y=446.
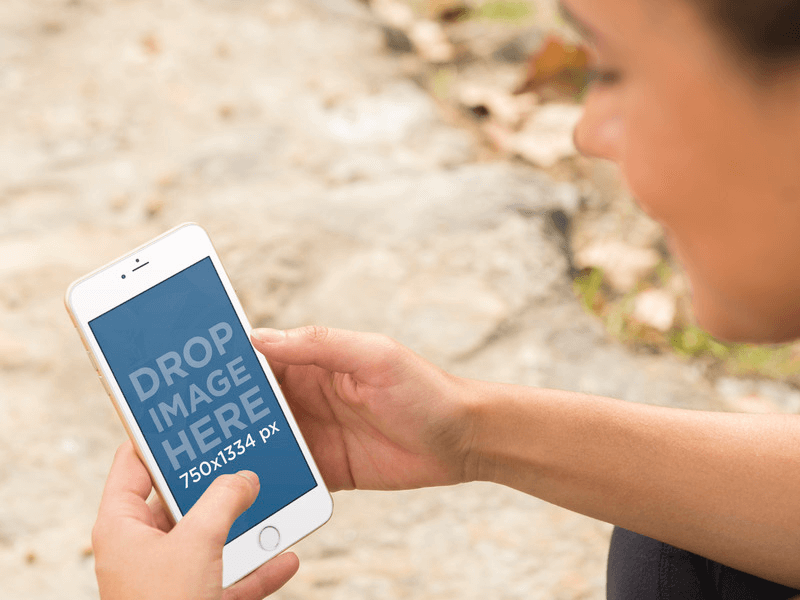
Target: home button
x=269 y=538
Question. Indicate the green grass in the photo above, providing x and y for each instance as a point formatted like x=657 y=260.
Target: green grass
x=441 y=82
x=692 y=341
x=776 y=362
x=503 y=10
x=587 y=288
x=780 y=362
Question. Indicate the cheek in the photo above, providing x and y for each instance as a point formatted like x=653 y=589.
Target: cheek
x=670 y=170
x=697 y=167
x=662 y=168
x=677 y=161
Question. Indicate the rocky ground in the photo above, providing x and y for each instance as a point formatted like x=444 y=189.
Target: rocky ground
x=339 y=191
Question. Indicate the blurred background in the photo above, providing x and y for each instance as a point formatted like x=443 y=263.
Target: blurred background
x=402 y=166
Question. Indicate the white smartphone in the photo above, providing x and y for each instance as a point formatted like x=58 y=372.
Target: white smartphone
x=170 y=341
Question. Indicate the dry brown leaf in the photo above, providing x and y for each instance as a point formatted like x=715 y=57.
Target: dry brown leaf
x=558 y=65
x=436 y=9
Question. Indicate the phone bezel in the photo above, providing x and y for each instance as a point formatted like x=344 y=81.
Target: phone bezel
x=104 y=289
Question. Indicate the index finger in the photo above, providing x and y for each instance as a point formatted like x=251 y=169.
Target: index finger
x=128 y=485
x=334 y=350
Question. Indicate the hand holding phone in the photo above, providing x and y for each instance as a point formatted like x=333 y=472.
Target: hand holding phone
x=377 y=415
x=169 y=340
x=139 y=554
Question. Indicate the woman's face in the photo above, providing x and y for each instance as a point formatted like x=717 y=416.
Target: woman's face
x=708 y=152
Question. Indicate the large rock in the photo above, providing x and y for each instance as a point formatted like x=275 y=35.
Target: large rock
x=447 y=265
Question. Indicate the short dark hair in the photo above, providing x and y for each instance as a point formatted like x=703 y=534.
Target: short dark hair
x=766 y=32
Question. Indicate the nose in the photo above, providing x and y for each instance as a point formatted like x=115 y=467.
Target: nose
x=599 y=132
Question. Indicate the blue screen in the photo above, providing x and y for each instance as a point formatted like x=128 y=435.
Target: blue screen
x=193 y=382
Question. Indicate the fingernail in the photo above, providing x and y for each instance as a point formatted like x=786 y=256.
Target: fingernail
x=269 y=335
x=250 y=476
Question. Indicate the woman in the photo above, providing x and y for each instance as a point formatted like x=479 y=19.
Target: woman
x=698 y=101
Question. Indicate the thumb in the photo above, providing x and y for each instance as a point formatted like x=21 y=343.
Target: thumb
x=334 y=350
x=210 y=519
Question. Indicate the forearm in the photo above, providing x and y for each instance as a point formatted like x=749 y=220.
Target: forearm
x=724 y=486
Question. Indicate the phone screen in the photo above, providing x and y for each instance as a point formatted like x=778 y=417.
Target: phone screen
x=193 y=382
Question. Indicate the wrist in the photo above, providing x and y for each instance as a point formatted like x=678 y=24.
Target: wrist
x=483 y=403
x=512 y=434
x=455 y=440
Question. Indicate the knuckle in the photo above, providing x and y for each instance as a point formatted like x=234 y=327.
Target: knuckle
x=97 y=536
x=316 y=334
x=388 y=347
x=122 y=449
x=102 y=534
x=388 y=352
x=101 y=569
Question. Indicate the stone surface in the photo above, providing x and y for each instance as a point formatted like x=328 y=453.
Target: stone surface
x=623 y=265
x=336 y=194
x=546 y=136
x=757 y=396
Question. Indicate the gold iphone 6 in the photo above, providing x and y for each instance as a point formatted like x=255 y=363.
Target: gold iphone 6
x=170 y=341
